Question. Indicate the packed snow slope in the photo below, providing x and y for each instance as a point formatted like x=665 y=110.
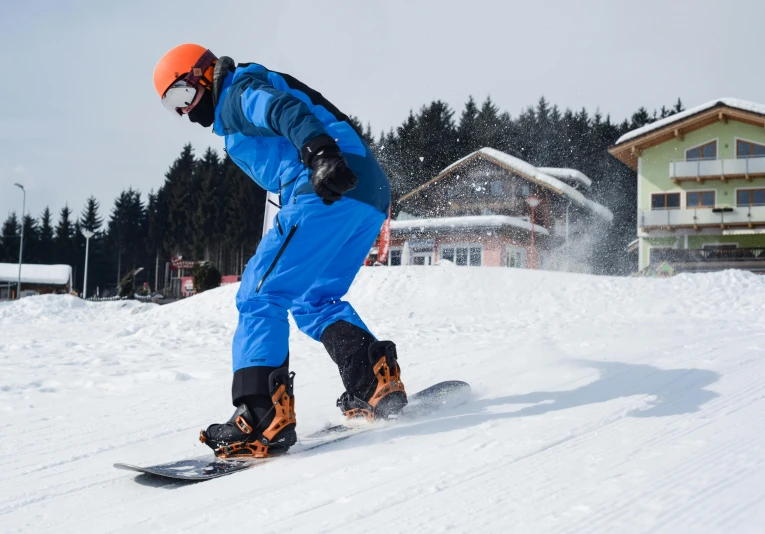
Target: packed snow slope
x=600 y=405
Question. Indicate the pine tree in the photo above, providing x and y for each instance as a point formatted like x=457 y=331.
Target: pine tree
x=89 y=218
x=64 y=246
x=31 y=240
x=47 y=253
x=10 y=238
x=181 y=201
x=208 y=206
x=487 y=124
x=467 y=130
x=435 y=141
x=640 y=118
x=98 y=260
x=365 y=133
x=244 y=213
x=127 y=232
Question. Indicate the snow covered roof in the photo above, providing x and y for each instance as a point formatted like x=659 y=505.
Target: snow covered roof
x=469 y=221
x=529 y=171
x=567 y=175
x=36 y=274
x=735 y=103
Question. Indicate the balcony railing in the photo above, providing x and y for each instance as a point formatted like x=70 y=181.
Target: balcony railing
x=712 y=169
x=722 y=217
x=706 y=255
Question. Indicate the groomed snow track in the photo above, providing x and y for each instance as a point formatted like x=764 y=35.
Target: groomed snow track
x=600 y=405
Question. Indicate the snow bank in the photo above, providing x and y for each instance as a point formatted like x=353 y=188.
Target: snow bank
x=601 y=405
x=735 y=103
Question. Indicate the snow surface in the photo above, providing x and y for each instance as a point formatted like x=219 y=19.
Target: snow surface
x=736 y=103
x=571 y=175
x=529 y=170
x=468 y=221
x=601 y=405
x=36 y=274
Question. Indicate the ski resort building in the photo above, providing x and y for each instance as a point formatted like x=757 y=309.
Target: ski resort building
x=35 y=279
x=701 y=187
x=492 y=209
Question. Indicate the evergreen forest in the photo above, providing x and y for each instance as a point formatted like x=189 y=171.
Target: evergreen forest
x=208 y=209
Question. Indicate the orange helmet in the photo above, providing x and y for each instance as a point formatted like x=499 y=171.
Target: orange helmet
x=189 y=62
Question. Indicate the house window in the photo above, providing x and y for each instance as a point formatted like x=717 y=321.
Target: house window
x=516 y=257
x=475 y=256
x=496 y=188
x=750 y=197
x=747 y=149
x=665 y=201
x=700 y=199
x=394 y=257
x=462 y=254
x=706 y=151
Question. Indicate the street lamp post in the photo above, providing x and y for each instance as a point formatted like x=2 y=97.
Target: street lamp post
x=88 y=234
x=533 y=202
x=21 y=244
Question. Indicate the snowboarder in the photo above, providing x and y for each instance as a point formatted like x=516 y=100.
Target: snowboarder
x=334 y=196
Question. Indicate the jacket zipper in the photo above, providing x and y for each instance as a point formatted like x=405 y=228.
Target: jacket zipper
x=278 y=224
x=278 y=255
x=281 y=188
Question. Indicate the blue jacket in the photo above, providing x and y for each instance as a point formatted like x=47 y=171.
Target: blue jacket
x=268 y=119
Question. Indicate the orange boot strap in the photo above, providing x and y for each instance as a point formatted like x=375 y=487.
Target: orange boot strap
x=285 y=415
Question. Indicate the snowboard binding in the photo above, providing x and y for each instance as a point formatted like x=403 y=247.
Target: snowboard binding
x=241 y=437
x=389 y=395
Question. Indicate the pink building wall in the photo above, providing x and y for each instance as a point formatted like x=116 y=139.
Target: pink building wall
x=493 y=245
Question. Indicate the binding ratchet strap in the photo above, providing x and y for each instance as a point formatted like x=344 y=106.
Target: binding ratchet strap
x=284 y=406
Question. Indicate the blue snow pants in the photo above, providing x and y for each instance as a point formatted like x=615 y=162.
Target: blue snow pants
x=305 y=265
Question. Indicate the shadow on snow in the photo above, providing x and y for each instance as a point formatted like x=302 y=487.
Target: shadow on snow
x=674 y=391
x=671 y=392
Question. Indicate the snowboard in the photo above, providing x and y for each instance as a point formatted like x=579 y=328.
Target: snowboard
x=444 y=394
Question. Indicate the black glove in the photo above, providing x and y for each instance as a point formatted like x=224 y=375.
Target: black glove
x=331 y=177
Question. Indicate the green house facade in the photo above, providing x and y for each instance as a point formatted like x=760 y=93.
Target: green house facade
x=701 y=187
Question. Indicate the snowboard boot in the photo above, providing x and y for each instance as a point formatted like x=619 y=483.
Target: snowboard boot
x=369 y=371
x=386 y=396
x=261 y=426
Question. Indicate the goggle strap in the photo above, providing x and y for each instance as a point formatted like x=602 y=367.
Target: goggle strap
x=200 y=68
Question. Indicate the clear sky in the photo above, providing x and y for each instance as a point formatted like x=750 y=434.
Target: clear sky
x=79 y=115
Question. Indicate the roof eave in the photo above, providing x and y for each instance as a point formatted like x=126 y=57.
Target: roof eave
x=441 y=175
x=630 y=150
x=468 y=159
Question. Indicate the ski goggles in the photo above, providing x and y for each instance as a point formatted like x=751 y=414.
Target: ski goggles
x=183 y=91
x=180 y=95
